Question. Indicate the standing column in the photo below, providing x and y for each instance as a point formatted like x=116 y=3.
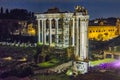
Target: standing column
x=63 y=33
x=44 y=40
x=50 y=31
x=86 y=38
x=77 y=38
x=83 y=39
x=42 y=31
x=66 y=32
x=57 y=36
x=73 y=33
x=38 y=31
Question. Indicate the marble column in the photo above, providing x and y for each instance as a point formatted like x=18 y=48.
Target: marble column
x=73 y=33
x=38 y=31
x=83 y=39
x=66 y=32
x=77 y=38
x=56 y=33
x=44 y=39
x=42 y=31
x=50 y=31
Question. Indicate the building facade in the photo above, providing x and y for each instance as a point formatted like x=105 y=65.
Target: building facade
x=104 y=30
x=102 y=33
x=64 y=29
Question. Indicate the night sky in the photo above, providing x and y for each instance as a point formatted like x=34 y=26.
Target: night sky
x=96 y=8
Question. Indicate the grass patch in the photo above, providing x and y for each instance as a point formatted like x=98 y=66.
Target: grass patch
x=51 y=77
x=45 y=64
x=94 y=63
x=51 y=63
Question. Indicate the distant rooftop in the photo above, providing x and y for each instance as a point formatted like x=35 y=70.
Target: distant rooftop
x=103 y=22
x=78 y=9
x=54 y=10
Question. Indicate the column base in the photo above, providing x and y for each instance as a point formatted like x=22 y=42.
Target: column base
x=80 y=67
x=39 y=43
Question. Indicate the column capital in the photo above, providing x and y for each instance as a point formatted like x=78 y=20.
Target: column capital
x=44 y=19
x=57 y=19
x=66 y=18
x=73 y=18
x=38 y=19
x=84 y=19
x=77 y=18
x=50 y=19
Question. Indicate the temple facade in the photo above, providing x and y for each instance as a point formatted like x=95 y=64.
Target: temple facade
x=64 y=29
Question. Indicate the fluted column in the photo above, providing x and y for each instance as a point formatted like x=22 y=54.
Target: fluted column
x=44 y=39
x=38 y=31
x=66 y=32
x=83 y=39
x=57 y=36
x=42 y=31
x=63 y=34
x=73 y=33
x=50 y=31
x=77 y=38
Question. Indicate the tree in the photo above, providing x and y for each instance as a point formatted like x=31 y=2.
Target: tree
x=1 y=10
x=7 y=11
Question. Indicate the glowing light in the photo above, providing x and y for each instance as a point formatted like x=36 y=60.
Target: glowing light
x=8 y=58
x=116 y=64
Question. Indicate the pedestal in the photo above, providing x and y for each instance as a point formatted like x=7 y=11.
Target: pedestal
x=80 y=66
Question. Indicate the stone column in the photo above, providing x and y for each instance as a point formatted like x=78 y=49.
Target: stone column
x=77 y=38
x=57 y=35
x=83 y=39
x=63 y=33
x=73 y=33
x=50 y=31
x=66 y=32
x=44 y=39
x=42 y=30
x=87 y=40
x=38 y=31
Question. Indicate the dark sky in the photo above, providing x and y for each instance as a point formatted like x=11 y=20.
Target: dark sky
x=96 y=8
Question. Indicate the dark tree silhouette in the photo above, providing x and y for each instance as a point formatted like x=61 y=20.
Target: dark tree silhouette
x=7 y=11
x=1 y=10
